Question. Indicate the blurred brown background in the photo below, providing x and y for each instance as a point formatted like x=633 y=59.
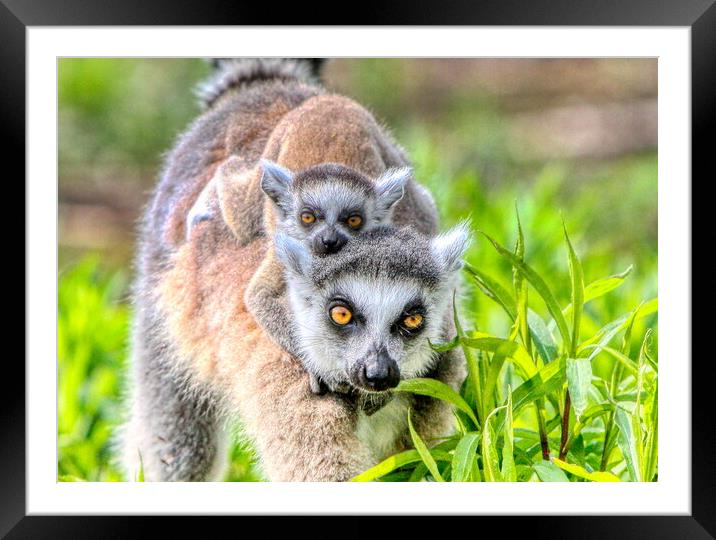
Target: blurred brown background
x=505 y=119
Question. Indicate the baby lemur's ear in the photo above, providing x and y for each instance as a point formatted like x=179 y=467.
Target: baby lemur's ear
x=275 y=182
x=450 y=246
x=390 y=187
x=292 y=253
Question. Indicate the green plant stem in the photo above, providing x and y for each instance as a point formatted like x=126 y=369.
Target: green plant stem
x=610 y=426
x=564 y=447
x=543 y=439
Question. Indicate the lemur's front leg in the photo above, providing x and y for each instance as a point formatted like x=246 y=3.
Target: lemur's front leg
x=267 y=301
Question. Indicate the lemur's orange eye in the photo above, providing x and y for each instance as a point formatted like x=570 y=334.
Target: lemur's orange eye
x=354 y=222
x=413 y=321
x=341 y=315
x=308 y=217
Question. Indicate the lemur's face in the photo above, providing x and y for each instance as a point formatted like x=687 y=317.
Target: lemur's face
x=366 y=315
x=372 y=331
x=327 y=205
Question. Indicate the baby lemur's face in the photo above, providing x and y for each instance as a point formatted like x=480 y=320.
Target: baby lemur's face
x=365 y=315
x=327 y=205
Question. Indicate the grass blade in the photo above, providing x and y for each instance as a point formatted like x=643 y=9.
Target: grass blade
x=494 y=290
x=581 y=472
x=509 y=472
x=579 y=381
x=607 y=332
x=549 y=472
x=464 y=458
x=436 y=389
x=577 y=277
x=422 y=449
x=540 y=286
x=505 y=347
x=549 y=379
x=542 y=337
x=473 y=368
x=627 y=442
x=490 y=462
x=601 y=287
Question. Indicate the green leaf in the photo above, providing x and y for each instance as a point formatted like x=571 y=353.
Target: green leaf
x=418 y=473
x=577 y=278
x=579 y=381
x=622 y=358
x=422 y=449
x=464 y=457
x=394 y=462
x=490 y=462
x=509 y=472
x=608 y=331
x=69 y=478
x=542 y=337
x=518 y=282
x=627 y=442
x=436 y=389
x=549 y=472
x=473 y=369
x=540 y=286
x=601 y=287
x=505 y=347
x=550 y=378
x=494 y=290
x=581 y=472
x=445 y=346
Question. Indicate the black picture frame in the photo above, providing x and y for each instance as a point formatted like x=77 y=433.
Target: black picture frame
x=699 y=15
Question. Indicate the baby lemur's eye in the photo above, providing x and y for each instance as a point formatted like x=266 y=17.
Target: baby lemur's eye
x=308 y=217
x=354 y=221
x=413 y=322
x=341 y=315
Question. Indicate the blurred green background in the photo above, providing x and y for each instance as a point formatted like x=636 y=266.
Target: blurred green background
x=571 y=138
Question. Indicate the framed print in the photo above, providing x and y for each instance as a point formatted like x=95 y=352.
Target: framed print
x=359 y=270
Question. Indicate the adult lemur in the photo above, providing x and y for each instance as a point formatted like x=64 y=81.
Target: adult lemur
x=198 y=353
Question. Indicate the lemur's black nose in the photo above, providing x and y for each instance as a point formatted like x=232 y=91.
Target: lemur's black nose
x=381 y=372
x=329 y=243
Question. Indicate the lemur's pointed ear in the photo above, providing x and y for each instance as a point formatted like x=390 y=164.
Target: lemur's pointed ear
x=275 y=182
x=292 y=253
x=450 y=246
x=390 y=187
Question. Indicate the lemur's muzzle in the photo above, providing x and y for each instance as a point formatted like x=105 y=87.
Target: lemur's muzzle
x=377 y=373
x=330 y=241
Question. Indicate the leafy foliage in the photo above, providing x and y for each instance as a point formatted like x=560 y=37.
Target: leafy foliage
x=565 y=420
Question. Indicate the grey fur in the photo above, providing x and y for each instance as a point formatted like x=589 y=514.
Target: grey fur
x=184 y=378
x=232 y=72
x=383 y=275
x=333 y=192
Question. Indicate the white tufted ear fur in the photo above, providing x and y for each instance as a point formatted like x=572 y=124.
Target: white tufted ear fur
x=450 y=246
x=390 y=187
x=293 y=254
x=276 y=182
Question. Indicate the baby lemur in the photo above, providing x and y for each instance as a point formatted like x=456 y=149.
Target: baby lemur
x=323 y=207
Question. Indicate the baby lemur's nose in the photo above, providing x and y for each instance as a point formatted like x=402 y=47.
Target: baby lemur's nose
x=381 y=372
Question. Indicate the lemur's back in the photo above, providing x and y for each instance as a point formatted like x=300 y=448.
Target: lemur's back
x=197 y=351
x=239 y=123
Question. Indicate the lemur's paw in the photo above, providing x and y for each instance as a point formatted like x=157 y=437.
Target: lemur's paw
x=320 y=387
x=371 y=403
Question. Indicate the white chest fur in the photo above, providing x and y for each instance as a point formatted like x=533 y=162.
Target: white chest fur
x=381 y=430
